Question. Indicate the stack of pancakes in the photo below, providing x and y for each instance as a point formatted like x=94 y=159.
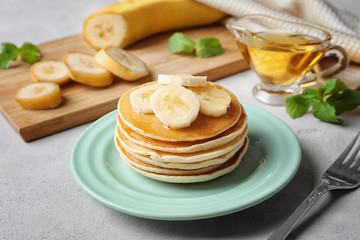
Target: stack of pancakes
x=209 y=148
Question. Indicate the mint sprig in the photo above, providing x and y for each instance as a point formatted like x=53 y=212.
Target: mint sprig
x=28 y=52
x=204 y=47
x=328 y=101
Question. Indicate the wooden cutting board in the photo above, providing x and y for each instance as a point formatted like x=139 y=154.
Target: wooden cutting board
x=82 y=104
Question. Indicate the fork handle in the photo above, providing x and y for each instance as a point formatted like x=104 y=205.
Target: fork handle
x=300 y=211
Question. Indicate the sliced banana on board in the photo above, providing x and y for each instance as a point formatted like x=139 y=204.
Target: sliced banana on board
x=175 y=106
x=183 y=79
x=140 y=98
x=121 y=63
x=41 y=95
x=213 y=102
x=50 y=71
x=84 y=69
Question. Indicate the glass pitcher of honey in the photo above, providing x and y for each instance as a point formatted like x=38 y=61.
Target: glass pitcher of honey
x=285 y=55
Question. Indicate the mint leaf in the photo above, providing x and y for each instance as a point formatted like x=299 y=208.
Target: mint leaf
x=5 y=61
x=9 y=53
x=205 y=47
x=179 y=42
x=296 y=106
x=332 y=86
x=328 y=101
x=311 y=95
x=325 y=112
x=208 y=47
x=345 y=101
x=29 y=53
x=10 y=50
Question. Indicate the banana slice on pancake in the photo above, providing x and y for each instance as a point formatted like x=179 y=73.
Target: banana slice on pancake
x=183 y=79
x=140 y=98
x=175 y=106
x=213 y=102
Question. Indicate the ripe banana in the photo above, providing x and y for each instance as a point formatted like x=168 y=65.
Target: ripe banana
x=183 y=79
x=175 y=106
x=121 y=63
x=85 y=70
x=140 y=98
x=50 y=71
x=127 y=22
x=41 y=95
x=213 y=102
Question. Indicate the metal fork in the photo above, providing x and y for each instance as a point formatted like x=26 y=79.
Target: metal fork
x=344 y=173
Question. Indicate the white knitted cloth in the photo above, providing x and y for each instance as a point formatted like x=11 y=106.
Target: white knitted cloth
x=342 y=25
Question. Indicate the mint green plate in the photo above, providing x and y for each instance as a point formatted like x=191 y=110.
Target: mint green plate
x=271 y=161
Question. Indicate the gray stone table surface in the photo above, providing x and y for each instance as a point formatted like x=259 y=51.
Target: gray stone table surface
x=39 y=198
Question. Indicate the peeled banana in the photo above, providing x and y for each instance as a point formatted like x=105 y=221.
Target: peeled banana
x=121 y=63
x=127 y=22
x=84 y=69
x=175 y=106
x=50 y=71
x=41 y=95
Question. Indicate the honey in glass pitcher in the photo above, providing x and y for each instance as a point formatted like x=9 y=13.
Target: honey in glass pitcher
x=280 y=57
x=286 y=55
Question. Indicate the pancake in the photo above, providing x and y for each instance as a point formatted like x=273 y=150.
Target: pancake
x=182 y=157
x=179 y=165
x=225 y=168
x=185 y=146
x=207 y=149
x=203 y=127
x=161 y=170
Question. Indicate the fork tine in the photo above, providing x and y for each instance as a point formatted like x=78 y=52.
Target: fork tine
x=356 y=166
x=351 y=159
x=346 y=151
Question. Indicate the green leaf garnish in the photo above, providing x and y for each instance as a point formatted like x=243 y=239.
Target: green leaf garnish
x=208 y=47
x=328 y=101
x=204 y=47
x=179 y=42
x=10 y=50
x=28 y=53
x=5 y=61
x=296 y=106
x=325 y=112
x=345 y=101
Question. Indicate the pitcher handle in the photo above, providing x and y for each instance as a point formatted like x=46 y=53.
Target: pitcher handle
x=334 y=60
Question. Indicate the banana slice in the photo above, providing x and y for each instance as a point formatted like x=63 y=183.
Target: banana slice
x=41 y=95
x=213 y=102
x=85 y=70
x=140 y=98
x=50 y=71
x=175 y=106
x=183 y=79
x=121 y=63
